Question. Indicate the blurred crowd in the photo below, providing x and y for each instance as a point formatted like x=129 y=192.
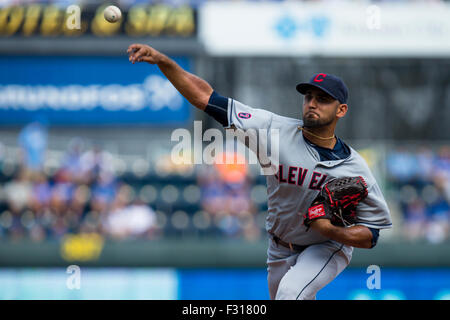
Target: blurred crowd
x=44 y=198
x=82 y=195
x=83 y=192
x=420 y=182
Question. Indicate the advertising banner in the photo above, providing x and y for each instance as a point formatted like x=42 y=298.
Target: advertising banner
x=326 y=29
x=88 y=91
x=85 y=283
x=64 y=19
x=80 y=283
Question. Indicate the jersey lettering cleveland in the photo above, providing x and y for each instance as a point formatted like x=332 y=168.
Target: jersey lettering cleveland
x=301 y=174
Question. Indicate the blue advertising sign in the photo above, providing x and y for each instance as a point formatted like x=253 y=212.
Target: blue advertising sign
x=88 y=91
x=351 y=284
x=203 y=284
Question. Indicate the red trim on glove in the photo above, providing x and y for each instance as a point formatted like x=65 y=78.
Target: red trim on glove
x=316 y=211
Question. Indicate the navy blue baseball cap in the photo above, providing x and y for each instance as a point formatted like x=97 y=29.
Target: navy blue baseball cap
x=329 y=83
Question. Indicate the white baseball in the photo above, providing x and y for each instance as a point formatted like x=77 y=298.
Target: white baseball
x=112 y=14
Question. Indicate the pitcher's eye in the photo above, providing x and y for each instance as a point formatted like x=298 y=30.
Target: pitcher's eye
x=323 y=99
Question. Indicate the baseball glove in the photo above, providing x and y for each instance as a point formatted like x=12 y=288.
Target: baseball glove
x=337 y=201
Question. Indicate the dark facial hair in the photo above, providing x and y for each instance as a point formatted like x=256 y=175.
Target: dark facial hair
x=316 y=123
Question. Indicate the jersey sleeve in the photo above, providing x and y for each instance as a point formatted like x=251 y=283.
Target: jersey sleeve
x=252 y=127
x=244 y=117
x=232 y=113
x=373 y=211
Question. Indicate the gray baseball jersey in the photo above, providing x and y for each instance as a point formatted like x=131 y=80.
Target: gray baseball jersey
x=301 y=174
x=301 y=169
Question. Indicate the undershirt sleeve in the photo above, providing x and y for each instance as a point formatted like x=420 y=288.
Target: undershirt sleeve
x=375 y=235
x=218 y=108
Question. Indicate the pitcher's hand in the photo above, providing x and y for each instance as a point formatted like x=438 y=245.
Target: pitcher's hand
x=143 y=53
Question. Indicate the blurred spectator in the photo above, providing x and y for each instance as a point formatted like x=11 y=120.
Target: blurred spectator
x=422 y=175
x=41 y=192
x=226 y=196
x=402 y=165
x=72 y=161
x=103 y=191
x=415 y=219
x=18 y=191
x=33 y=141
x=441 y=174
x=129 y=219
x=95 y=163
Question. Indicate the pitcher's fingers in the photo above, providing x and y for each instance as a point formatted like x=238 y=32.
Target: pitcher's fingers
x=132 y=55
x=134 y=46
x=138 y=54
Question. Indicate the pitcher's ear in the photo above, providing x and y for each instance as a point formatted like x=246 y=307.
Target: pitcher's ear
x=341 y=110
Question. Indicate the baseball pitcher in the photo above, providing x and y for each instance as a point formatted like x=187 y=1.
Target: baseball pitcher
x=322 y=199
